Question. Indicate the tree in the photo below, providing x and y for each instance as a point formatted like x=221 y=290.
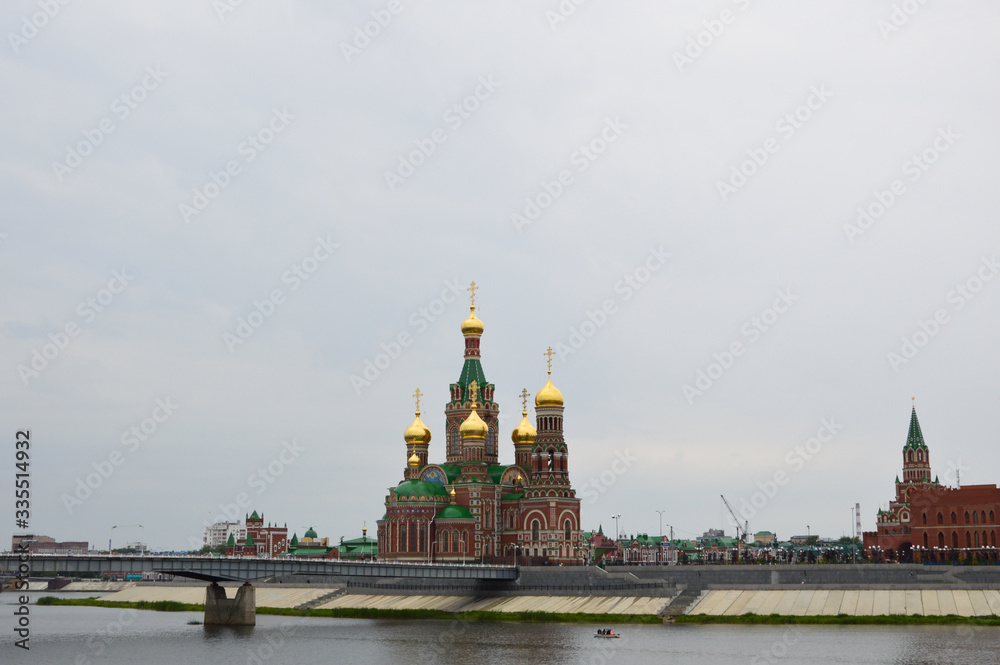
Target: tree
x=848 y=540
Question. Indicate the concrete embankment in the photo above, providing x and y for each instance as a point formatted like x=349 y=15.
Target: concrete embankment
x=288 y=597
x=850 y=602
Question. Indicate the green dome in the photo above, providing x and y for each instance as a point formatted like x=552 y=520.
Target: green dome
x=454 y=512
x=419 y=490
x=311 y=533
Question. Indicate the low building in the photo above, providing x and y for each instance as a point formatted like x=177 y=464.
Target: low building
x=311 y=546
x=47 y=545
x=765 y=538
x=260 y=540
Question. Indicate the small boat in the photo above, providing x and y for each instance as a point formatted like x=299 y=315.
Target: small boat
x=610 y=634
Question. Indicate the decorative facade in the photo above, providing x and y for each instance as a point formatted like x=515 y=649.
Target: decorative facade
x=472 y=507
x=929 y=521
x=260 y=540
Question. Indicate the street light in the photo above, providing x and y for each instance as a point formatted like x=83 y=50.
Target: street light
x=660 y=513
x=616 y=518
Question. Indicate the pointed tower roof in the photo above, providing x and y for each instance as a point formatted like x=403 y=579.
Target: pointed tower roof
x=914 y=438
x=232 y=540
x=249 y=541
x=294 y=542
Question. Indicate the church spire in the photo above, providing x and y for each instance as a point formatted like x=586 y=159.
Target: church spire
x=914 y=438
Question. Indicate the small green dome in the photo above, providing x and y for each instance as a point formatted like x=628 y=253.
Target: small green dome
x=419 y=490
x=311 y=533
x=453 y=513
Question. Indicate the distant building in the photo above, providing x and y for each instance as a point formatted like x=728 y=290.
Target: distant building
x=218 y=534
x=47 y=545
x=800 y=540
x=358 y=549
x=260 y=540
x=765 y=538
x=312 y=546
x=714 y=533
x=931 y=521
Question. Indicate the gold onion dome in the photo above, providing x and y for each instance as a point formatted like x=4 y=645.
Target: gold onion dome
x=473 y=426
x=472 y=325
x=549 y=395
x=525 y=431
x=414 y=460
x=417 y=432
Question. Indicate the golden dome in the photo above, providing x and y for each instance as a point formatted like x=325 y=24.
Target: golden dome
x=472 y=325
x=417 y=432
x=549 y=395
x=473 y=427
x=414 y=460
x=525 y=432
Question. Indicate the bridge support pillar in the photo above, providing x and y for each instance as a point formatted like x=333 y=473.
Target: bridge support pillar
x=223 y=611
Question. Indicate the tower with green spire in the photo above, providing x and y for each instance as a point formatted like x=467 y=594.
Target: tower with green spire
x=916 y=455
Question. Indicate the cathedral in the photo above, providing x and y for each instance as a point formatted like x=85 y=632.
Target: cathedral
x=471 y=507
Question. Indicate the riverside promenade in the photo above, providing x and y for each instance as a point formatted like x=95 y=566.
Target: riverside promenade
x=793 y=590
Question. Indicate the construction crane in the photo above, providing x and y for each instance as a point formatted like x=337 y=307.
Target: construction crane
x=741 y=532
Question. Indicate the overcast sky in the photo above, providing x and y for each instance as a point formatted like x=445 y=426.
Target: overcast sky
x=741 y=225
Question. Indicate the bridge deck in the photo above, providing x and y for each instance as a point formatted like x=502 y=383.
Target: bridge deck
x=246 y=569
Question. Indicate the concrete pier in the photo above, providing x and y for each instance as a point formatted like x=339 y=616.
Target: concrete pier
x=223 y=611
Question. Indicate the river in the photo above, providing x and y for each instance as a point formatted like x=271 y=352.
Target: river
x=82 y=635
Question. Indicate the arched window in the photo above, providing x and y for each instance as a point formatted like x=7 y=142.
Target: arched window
x=568 y=527
x=954 y=539
x=975 y=517
x=534 y=529
x=977 y=539
x=992 y=518
x=925 y=518
x=982 y=517
x=489 y=441
x=412 y=545
x=968 y=539
x=920 y=456
x=966 y=516
x=402 y=537
x=993 y=539
x=455 y=443
x=910 y=455
x=925 y=539
x=954 y=518
x=940 y=539
x=940 y=519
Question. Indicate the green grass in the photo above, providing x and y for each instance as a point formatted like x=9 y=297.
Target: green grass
x=882 y=620
x=369 y=613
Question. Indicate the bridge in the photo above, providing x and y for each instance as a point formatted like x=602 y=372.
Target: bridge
x=242 y=610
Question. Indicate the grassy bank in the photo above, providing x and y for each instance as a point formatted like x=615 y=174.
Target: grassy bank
x=882 y=620
x=368 y=613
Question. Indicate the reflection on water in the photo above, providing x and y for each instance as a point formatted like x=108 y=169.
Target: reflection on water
x=90 y=634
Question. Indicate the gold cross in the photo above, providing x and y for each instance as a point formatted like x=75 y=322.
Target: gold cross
x=473 y=392
x=524 y=399
x=472 y=291
x=549 y=353
x=417 y=396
